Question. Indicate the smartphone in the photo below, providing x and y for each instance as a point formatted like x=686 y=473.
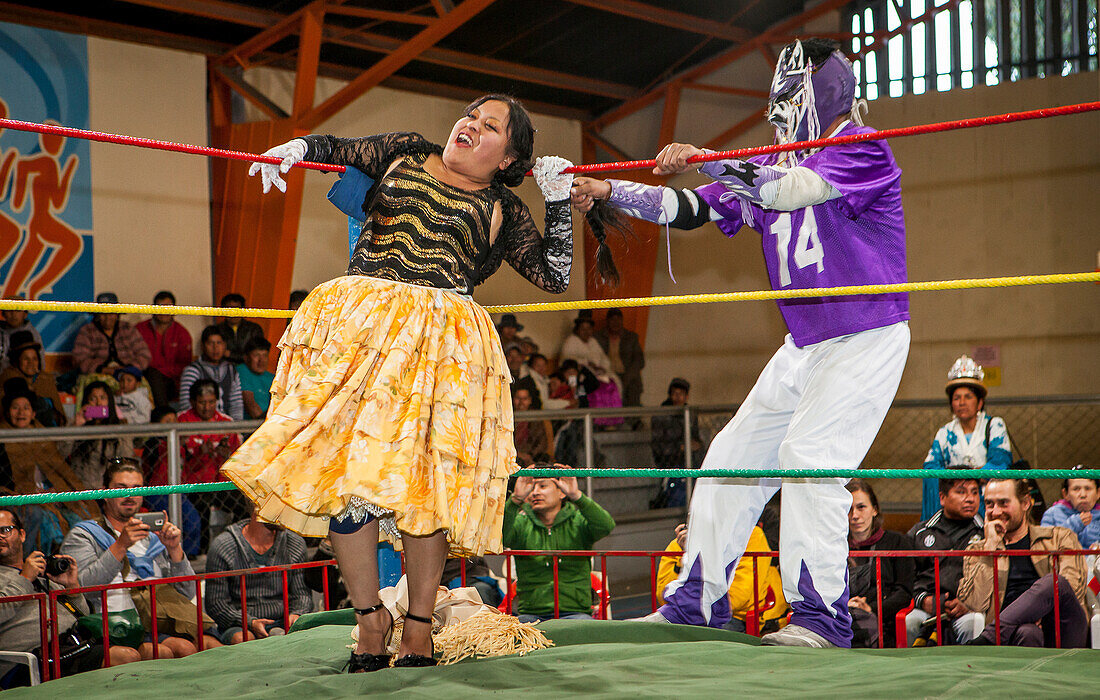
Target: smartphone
x=95 y=412
x=154 y=520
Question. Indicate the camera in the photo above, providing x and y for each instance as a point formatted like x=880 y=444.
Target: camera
x=56 y=565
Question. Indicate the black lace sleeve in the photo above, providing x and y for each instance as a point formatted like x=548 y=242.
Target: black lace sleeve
x=371 y=154
x=546 y=259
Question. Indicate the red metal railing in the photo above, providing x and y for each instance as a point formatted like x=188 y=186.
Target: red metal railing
x=49 y=622
x=878 y=556
x=48 y=602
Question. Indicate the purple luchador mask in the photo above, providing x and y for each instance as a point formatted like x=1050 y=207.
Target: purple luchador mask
x=805 y=98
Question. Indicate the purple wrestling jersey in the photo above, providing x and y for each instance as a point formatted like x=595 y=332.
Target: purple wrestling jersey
x=858 y=238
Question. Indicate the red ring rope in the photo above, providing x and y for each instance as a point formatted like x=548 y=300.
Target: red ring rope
x=594 y=168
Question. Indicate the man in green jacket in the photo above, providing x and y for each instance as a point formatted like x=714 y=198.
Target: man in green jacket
x=545 y=514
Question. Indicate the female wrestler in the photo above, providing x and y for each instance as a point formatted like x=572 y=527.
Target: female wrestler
x=391 y=396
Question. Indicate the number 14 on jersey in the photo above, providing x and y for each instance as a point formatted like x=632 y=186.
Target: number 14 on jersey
x=807 y=249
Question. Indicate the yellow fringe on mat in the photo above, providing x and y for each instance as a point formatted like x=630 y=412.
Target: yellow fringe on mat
x=488 y=633
x=485 y=634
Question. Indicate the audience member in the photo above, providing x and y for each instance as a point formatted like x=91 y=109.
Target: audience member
x=973 y=439
x=250 y=544
x=169 y=346
x=154 y=453
x=513 y=356
x=132 y=401
x=215 y=366
x=866 y=533
x=1077 y=511
x=624 y=351
x=560 y=388
x=536 y=370
x=508 y=329
x=742 y=598
x=12 y=321
x=669 y=451
x=553 y=513
x=37 y=467
x=583 y=349
x=478 y=577
x=203 y=456
x=25 y=355
x=19 y=622
x=154 y=466
x=255 y=379
x=296 y=298
x=529 y=347
x=532 y=437
x=97 y=407
x=106 y=343
x=118 y=547
x=237 y=331
x=953 y=526
x=1026 y=583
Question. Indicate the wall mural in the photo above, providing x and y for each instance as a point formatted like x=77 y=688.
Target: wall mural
x=45 y=181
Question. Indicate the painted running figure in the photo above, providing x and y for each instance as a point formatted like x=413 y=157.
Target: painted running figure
x=827 y=218
x=391 y=397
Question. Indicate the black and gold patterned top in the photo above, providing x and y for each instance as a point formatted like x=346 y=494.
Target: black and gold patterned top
x=426 y=232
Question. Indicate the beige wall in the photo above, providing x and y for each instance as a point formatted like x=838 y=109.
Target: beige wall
x=1004 y=200
x=150 y=209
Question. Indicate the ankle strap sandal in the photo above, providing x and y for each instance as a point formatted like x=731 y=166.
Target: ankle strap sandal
x=366 y=663
x=417 y=660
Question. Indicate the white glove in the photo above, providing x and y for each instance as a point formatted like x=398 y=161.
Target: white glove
x=548 y=174
x=291 y=152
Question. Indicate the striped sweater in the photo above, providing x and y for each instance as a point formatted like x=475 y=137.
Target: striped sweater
x=264 y=592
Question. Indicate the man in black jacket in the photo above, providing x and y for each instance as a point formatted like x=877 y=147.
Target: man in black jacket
x=953 y=526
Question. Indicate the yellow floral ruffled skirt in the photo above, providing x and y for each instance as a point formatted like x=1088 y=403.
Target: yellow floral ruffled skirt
x=394 y=395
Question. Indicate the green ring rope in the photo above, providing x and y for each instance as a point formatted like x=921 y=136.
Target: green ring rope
x=37 y=498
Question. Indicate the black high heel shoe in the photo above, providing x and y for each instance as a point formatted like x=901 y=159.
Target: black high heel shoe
x=417 y=660
x=365 y=663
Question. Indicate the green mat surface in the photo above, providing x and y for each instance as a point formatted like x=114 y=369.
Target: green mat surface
x=605 y=659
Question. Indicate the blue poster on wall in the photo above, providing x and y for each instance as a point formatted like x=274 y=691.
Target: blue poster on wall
x=45 y=180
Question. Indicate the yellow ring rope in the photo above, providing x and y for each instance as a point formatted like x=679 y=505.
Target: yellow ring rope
x=761 y=295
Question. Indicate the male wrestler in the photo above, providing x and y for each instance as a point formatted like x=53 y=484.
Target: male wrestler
x=827 y=217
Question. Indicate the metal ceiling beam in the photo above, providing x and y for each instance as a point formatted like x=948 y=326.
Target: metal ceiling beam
x=309 y=55
x=393 y=62
x=601 y=141
x=290 y=24
x=20 y=14
x=668 y=18
x=489 y=66
x=216 y=9
x=721 y=60
x=256 y=17
x=736 y=130
x=383 y=15
x=63 y=22
x=250 y=93
x=442 y=7
x=741 y=92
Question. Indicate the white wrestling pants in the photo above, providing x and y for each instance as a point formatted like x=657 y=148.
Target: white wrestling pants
x=818 y=406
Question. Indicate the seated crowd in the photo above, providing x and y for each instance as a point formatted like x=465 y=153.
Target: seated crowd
x=150 y=373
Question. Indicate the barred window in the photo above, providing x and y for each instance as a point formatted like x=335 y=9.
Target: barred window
x=916 y=46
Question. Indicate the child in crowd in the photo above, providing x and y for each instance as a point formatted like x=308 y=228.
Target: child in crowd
x=132 y=400
x=1078 y=511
